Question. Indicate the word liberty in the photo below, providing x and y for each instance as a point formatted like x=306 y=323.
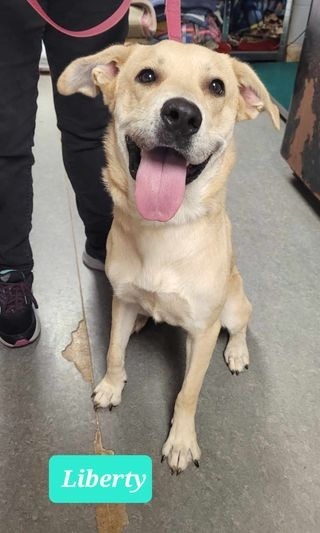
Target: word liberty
x=86 y=478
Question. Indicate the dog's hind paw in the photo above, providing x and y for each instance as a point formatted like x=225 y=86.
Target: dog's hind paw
x=107 y=394
x=236 y=356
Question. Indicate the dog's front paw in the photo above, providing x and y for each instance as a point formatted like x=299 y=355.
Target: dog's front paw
x=181 y=447
x=236 y=356
x=108 y=393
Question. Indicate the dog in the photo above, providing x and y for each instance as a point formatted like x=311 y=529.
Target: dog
x=170 y=149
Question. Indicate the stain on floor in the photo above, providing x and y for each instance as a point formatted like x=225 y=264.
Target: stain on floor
x=78 y=352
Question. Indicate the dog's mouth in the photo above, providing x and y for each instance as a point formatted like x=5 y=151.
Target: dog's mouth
x=193 y=171
x=161 y=175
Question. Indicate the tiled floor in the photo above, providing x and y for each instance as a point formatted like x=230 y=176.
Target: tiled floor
x=259 y=432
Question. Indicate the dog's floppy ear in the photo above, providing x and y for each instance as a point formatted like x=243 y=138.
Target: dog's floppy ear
x=254 y=97
x=86 y=74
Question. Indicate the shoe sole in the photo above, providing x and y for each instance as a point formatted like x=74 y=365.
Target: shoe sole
x=92 y=263
x=25 y=342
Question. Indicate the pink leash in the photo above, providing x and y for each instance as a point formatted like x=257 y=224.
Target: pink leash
x=173 y=16
x=172 y=11
x=96 y=30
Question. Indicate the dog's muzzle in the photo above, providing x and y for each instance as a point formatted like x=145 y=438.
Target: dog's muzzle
x=161 y=169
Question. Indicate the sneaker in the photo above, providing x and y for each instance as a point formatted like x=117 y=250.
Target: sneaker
x=19 y=323
x=92 y=262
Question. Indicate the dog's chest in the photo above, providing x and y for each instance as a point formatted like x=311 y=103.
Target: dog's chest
x=178 y=298
x=163 y=304
x=179 y=278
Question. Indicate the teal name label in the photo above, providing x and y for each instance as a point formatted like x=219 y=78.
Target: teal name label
x=100 y=478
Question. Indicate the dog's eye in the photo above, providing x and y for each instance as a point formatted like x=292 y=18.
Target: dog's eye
x=217 y=87
x=146 y=75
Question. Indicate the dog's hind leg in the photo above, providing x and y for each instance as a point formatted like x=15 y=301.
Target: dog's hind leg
x=181 y=446
x=235 y=316
x=140 y=322
x=108 y=392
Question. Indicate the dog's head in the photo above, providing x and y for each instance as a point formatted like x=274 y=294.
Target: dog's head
x=174 y=107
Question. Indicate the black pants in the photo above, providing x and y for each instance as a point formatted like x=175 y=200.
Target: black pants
x=81 y=120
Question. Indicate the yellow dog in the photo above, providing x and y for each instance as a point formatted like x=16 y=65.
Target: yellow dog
x=169 y=252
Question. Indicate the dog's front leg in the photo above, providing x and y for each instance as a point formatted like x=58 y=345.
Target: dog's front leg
x=108 y=392
x=181 y=447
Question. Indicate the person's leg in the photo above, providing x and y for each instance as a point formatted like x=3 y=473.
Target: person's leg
x=82 y=120
x=20 y=47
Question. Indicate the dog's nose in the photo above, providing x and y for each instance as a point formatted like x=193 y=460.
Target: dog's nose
x=181 y=117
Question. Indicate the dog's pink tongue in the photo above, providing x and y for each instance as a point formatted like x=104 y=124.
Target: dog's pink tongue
x=160 y=184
